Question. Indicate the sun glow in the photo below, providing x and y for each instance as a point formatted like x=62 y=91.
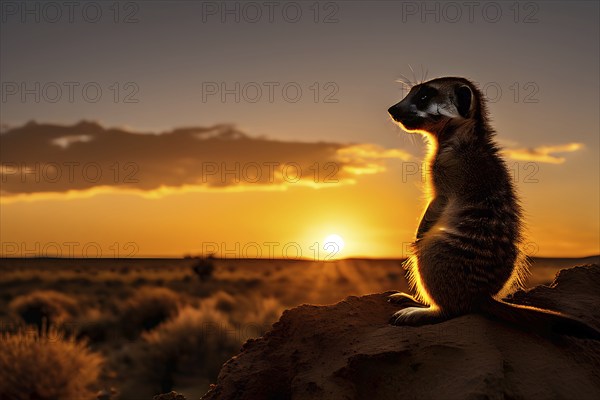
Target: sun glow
x=334 y=244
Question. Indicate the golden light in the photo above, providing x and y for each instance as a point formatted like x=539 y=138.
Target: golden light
x=333 y=245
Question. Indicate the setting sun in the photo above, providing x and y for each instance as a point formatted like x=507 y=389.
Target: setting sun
x=334 y=244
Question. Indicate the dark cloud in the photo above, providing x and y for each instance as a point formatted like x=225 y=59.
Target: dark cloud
x=46 y=158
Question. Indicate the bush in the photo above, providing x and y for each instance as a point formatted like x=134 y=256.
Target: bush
x=262 y=314
x=46 y=366
x=255 y=314
x=194 y=344
x=223 y=302
x=204 y=269
x=44 y=308
x=98 y=327
x=148 y=308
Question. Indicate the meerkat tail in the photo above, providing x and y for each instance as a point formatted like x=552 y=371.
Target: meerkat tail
x=539 y=320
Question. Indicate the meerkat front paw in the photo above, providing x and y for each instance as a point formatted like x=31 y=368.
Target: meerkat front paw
x=416 y=316
x=404 y=300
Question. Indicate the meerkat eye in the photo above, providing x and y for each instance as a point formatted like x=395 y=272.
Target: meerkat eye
x=424 y=96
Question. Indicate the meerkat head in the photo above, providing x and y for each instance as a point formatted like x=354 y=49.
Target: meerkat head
x=431 y=106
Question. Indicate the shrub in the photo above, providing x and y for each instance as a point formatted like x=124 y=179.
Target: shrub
x=46 y=366
x=223 y=302
x=253 y=313
x=44 y=308
x=204 y=269
x=98 y=327
x=194 y=344
x=263 y=312
x=146 y=309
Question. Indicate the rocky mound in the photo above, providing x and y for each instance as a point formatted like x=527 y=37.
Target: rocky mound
x=349 y=351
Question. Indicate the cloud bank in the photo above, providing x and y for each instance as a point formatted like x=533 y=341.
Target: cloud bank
x=48 y=160
x=87 y=158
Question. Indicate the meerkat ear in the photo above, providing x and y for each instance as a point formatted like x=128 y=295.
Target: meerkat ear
x=464 y=98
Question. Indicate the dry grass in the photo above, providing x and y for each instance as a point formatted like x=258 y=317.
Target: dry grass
x=160 y=326
x=47 y=366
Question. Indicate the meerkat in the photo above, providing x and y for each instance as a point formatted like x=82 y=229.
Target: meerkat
x=466 y=255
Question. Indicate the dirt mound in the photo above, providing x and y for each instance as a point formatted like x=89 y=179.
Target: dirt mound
x=349 y=351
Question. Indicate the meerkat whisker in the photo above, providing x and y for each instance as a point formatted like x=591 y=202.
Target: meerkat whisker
x=406 y=81
x=413 y=74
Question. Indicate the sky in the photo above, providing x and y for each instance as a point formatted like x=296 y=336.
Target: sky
x=259 y=128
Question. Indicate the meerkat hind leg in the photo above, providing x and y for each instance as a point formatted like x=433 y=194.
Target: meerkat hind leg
x=417 y=316
x=405 y=300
